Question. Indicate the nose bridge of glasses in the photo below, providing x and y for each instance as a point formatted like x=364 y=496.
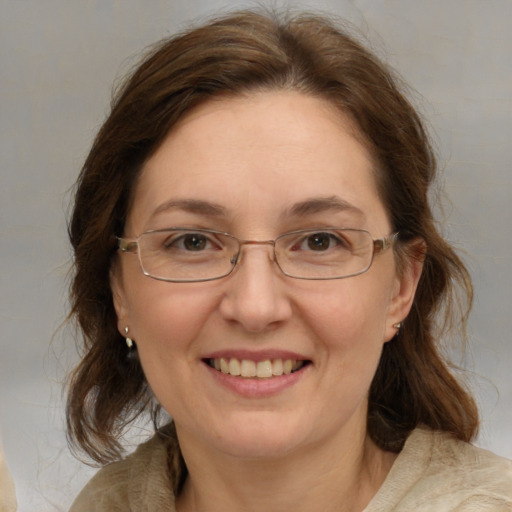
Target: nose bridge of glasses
x=238 y=257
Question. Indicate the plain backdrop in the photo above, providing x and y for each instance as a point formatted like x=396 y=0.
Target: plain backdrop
x=59 y=59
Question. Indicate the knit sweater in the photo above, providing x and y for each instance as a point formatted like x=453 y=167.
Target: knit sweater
x=433 y=473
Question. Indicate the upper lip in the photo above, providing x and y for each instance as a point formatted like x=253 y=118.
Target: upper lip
x=256 y=355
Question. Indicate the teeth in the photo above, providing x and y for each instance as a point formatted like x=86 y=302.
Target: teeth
x=224 y=365
x=277 y=367
x=264 y=369
x=248 y=368
x=261 y=369
x=234 y=367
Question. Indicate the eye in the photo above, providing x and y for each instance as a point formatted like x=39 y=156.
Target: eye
x=193 y=242
x=320 y=242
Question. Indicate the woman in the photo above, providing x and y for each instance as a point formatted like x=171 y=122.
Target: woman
x=256 y=257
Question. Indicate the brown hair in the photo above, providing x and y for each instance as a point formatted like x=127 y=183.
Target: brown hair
x=238 y=54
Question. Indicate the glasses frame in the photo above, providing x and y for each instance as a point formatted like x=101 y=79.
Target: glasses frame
x=132 y=245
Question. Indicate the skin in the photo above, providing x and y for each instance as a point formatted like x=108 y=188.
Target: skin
x=257 y=157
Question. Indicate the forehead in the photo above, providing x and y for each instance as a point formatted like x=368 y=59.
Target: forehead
x=256 y=157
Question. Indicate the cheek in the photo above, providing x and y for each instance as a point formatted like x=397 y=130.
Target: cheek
x=349 y=312
x=167 y=322
x=349 y=324
x=166 y=317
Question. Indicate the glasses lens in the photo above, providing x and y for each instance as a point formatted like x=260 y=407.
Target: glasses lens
x=324 y=254
x=186 y=255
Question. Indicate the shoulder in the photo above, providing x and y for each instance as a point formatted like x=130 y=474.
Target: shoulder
x=479 y=477
x=436 y=472
x=130 y=483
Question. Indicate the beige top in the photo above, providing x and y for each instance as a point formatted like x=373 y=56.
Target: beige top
x=7 y=493
x=433 y=473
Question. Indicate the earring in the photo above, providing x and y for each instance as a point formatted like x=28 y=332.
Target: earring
x=397 y=326
x=129 y=341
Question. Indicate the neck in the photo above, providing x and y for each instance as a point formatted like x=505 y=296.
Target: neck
x=342 y=475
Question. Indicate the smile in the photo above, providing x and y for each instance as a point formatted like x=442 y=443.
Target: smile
x=248 y=369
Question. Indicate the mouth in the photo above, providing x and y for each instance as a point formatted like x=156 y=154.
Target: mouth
x=249 y=369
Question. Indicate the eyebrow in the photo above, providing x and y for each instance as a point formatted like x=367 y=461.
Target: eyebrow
x=322 y=204
x=301 y=209
x=193 y=206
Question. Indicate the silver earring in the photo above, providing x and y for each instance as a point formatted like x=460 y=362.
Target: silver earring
x=129 y=341
x=397 y=326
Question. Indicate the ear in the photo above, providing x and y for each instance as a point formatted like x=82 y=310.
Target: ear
x=409 y=272
x=119 y=298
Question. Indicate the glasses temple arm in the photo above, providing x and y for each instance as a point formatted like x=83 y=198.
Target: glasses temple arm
x=125 y=245
x=385 y=243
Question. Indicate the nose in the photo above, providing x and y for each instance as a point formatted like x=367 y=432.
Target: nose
x=256 y=296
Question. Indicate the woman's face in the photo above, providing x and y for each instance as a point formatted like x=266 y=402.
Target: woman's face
x=257 y=167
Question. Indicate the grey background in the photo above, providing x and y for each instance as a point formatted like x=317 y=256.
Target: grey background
x=58 y=61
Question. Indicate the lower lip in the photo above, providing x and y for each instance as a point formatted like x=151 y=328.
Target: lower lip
x=257 y=388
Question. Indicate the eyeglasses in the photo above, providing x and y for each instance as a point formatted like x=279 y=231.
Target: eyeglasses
x=191 y=255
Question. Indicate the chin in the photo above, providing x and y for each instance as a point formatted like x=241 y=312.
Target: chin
x=258 y=447
x=255 y=438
